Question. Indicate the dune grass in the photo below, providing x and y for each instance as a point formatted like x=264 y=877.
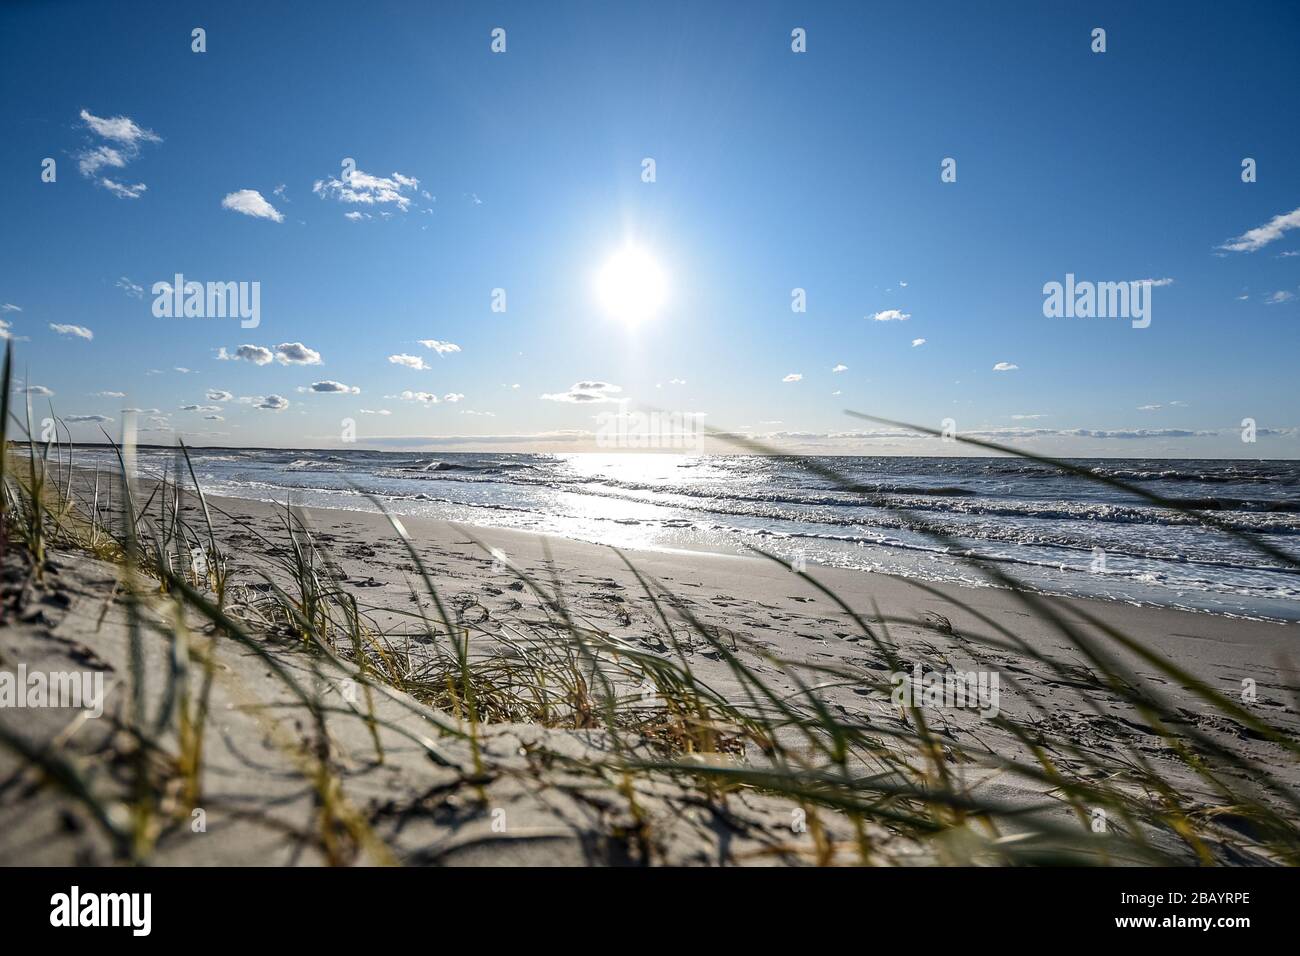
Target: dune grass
x=854 y=776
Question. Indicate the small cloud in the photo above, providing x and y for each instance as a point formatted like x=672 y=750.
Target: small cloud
x=110 y=394
x=295 y=353
x=793 y=377
x=586 y=393
x=120 y=129
x=1157 y=283
x=219 y=395
x=840 y=368
x=375 y=411
x=891 y=315
x=410 y=361
x=253 y=353
x=1149 y=408
x=1260 y=236
x=671 y=381
x=917 y=343
x=251 y=203
x=1005 y=367
x=330 y=386
x=452 y=397
x=128 y=136
x=365 y=189
x=122 y=190
x=79 y=419
x=10 y=307
x=36 y=390
x=213 y=418
x=275 y=403
x=427 y=398
x=1277 y=298
x=80 y=331
x=130 y=288
x=442 y=348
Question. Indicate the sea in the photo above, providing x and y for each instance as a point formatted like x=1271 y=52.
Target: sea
x=920 y=517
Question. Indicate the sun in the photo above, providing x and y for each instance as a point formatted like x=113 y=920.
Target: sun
x=631 y=286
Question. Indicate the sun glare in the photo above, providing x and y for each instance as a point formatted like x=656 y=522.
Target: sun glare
x=631 y=286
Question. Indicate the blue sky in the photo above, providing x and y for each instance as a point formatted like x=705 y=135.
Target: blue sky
x=775 y=170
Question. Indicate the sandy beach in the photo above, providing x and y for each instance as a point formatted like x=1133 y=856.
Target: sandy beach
x=522 y=793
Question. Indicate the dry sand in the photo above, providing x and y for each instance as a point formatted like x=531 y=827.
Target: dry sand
x=416 y=807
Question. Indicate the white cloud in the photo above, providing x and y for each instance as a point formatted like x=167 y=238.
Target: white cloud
x=36 y=390
x=410 y=361
x=78 y=419
x=251 y=203
x=121 y=129
x=275 y=403
x=1158 y=283
x=219 y=395
x=586 y=393
x=671 y=381
x=1005 y=367
x=122 y=190
x=110 y=394
x=80 y=331
x=916 y=343
x=793 y=377
x=331 y=386
x=1260 y=236
x=130 y=288
x=891 y=315
x=10 y=307
x=295 y=353
x=253 y=353
x=453 y=397
x=93 y=160
x=368 y=190
x=442 y=348
x=840 y=368
x=428 y=398
x=1279 y=297
x=128 y=136
x=375 y=411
